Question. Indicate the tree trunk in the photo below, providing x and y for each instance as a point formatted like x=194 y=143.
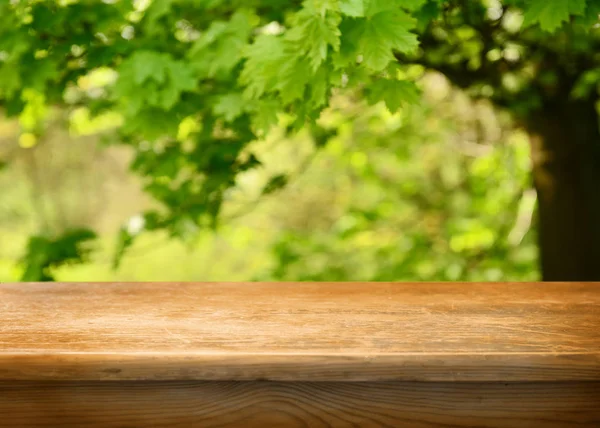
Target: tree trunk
x=565 y=141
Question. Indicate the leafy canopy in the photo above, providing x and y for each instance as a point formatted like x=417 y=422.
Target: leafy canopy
x=195 y=82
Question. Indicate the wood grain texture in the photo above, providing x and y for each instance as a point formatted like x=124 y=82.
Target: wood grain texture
x=300 y=331
x=299 y=404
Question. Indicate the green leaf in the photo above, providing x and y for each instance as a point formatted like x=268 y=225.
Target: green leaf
x=218 y=50
x=181 y=76
x=265 y=115
x=373 y=7
x=44 y=253
x=394 y=93
x=354 y=8
x=427 y=13
x=383 y=33
x=413 y=5
x=550 y=15
x=260 y=69
x=319 y=87
x=148 y=64
x=151 y=124
x=275 y=183
x=294 y=75
x=159 y=85
x=167 y=97
x=156 y=10
x=230 y=106
x=313 y=33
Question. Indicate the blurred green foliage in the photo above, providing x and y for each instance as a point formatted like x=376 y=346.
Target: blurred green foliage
x=436 y=191
x=316 y=124
x=44 y=254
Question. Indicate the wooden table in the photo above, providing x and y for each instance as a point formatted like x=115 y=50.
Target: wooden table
x=300 y=355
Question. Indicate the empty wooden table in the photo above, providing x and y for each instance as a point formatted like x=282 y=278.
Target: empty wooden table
x=300 y=354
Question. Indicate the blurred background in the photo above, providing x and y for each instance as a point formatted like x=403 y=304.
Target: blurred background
x=440 y=190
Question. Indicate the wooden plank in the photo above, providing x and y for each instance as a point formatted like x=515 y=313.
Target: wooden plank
x=299 y=404
x=300 y=331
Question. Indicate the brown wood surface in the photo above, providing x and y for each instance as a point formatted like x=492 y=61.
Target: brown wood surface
x=300 y=331
x=299 y=404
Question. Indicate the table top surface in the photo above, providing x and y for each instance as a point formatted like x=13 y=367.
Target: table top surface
x=300 y=331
